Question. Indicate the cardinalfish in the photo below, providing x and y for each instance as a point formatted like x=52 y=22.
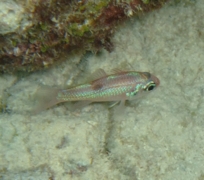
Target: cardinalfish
x=118 y=87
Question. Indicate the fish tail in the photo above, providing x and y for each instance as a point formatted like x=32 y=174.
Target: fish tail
x=45 y=98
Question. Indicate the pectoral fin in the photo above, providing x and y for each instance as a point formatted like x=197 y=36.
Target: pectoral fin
x=119 y=110
x=113 y=104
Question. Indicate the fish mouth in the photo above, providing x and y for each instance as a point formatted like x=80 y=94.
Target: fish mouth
x=155 y=79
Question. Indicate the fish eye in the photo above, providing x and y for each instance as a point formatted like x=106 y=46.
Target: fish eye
x=150 y=86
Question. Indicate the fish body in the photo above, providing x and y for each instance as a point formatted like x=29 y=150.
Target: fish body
x=119 y=86
x=114 y=87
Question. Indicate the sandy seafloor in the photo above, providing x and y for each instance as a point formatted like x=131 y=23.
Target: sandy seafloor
x=161 y=137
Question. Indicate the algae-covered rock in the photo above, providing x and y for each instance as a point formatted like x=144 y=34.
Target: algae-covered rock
x=50 y=31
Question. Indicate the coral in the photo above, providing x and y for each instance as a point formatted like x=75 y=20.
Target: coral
x=61 y=27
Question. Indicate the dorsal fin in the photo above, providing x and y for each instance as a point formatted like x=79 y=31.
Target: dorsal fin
x=99 y=73
x=118 y=71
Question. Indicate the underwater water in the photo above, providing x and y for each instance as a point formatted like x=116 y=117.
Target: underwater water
x=158 y=137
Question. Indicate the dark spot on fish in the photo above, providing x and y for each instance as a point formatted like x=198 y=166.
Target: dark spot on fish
x=97 y=86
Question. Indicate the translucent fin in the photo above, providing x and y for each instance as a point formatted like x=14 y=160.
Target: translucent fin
x=119 y=110
x=99 y=73
x=80 y=104
x=46 y=98
x=130 y=66
x=113 y=104
x=126 y=67
x=118 y=71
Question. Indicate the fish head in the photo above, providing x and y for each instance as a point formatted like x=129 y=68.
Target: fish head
x=150 y=83
x=145 y=83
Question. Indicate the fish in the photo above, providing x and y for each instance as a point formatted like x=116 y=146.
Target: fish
x=116 y=87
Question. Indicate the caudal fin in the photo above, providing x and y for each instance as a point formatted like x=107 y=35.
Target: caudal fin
x=45 y=98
